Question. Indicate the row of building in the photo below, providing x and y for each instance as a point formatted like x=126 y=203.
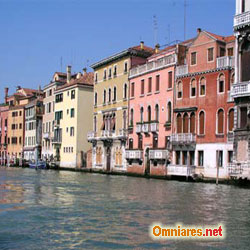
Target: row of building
x=181 y=110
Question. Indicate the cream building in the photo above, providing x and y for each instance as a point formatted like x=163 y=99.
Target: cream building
x=73 y=119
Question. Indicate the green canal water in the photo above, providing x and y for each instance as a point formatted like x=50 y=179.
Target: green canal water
x=70 y=210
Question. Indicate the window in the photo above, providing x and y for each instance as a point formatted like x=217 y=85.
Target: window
x=193 y=58
x=72 y=94
x=169 y=115
x=13 y=140
x=104 y=96
x=20 y=125
x=20 y=113
x=221 y=83
x=132 y=89
x=230 y=120
x=130 y=143
x=157 y=85
x=184 y=158
x=210 y=54
x=202 y=123
x=95 y=124
x=114 y=97
x=170 y=79
x=59 y=98
x=230 y=156
x=141 y=114
x=95 y=101
x=243 y=117
x=178 y=157
x=185 y=123
x=125 y=67
x=125 y=89
x=179 y=123
x=157 y=112
x=202 y=86
x=192 y=123
x=193 y=88
x=105 y=74
x=155 y=141
x=115 y=71
x=72 y=131
x=96 y=77
x=142 y=87
x=110 y=72
x=200 y=158
x=124 y=119
x=230 y=51
x=20 y=140
x=131 y=117
x=140 y=141
x=72 y=112
x=220 y=122
x=179 y=90
x=109 y=95
x=219 y=158
x=149 y=84
x=222 y=52
x=242 y=6
x=149 y=113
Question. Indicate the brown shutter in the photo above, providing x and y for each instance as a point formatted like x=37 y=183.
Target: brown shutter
x=185 y=123
x=220 y=121
x=202 y=123
x=192 y=123
x=231 y=120
x=179 y=124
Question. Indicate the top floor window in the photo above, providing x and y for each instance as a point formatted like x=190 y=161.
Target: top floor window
x=222 y=52
x=110 y=72
x=95 y=101
x=157 y=86
x=96 y=77
x=230 y=51
x=210 y=54
x=72 y=94
x=115 y=71
x=193 y=58
x=149 y=84
x=125 y=67
x=59 y=98
x=105 y=74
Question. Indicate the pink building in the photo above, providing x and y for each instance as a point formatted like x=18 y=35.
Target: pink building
x=150 y=116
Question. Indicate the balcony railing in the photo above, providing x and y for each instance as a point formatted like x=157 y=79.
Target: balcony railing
x=91 y=135
x=158 y=154
x=145 y=128
x=123 y=133
x=242 y=19
x=240 y=89
x=154 y=126
x=154 y=65
x=183 y=138
x=138 y=128
x=239 y=170
x=181 y=170
x=57 y=140
x=107 y=133
x=181 y=70
x=134 y=154
x=225 y=61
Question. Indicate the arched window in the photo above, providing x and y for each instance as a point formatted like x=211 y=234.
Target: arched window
x=114 y=97
x=220 y=121
x=179 y=90
x=131 y=117
x=202 y=86
x=202 y=123
x=157 y=112
x=192 y=123
x=221 y=83
x=169 y=117
x=130 y=145
x=95 y=101
x=179 y=123
x=109 y=96
x=124 y=119
x=149 y=113
x=230 y=120
x=193 y=88
x=125 y=90
x=104 y=96
x=95 y=125
x=141 y=114
x=185 y=123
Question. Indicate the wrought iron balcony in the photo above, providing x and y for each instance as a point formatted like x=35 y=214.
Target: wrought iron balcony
x=154 y=126
x=134 y=154
x=185 y=138
x=225 y=61
x=181 y=70
x=181 y=170
x=158 y=154
x=241 y=19
x=241 y=89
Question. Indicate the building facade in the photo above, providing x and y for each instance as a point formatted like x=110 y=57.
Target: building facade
x=240 y=168
x=73 y=119
x=110 y=121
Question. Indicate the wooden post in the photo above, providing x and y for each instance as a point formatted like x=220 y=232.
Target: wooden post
x=217 y=165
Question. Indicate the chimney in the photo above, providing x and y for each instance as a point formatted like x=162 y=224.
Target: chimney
x=84 y=70
x=157 y=47
x=6 y=90
x=142 y=45
x=198 y=31
x=18 y=88
x=78 y=75
x=68 y=73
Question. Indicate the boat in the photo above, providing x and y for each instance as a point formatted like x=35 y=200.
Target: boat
x=38 y=165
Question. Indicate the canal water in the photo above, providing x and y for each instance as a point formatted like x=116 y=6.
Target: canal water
x=70 y=210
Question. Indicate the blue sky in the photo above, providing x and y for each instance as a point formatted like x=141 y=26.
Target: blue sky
x=36 y=34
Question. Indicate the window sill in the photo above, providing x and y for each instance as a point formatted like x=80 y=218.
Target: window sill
x=219 y=135
x=125 y=99
x=150 y=93
x=157 y=92
x=114 y=102
x=169 y=89
x=131 y=98
x=201 y=136
x=142 y=95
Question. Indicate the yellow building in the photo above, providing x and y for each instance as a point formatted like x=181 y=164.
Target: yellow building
x=110 y=120
x=73 y=119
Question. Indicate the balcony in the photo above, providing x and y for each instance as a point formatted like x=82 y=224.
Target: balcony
x=57 y=123
x=134 y=154
x=241 y=19
x=241 y=89
x=146 y=128
x=57 y=140
x=158 y=154
x=187 y=138
x=181 y=70
x=122 y=134
x=181 y=170
x=154 y=126
x=225 y=61
x=239 y=170
x=46 y=136
x=91 y=135
x=154 y=65
x=138 y=128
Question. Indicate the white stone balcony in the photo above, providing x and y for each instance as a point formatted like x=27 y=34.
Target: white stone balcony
x=91 y=135
x=154 y=65
x=180 y=170
x=138 y=128
x=181 y=70
x=46 y=136
x=134 y=154
x=184 y=138
x=241 y=89
x=154 y=126
x=122 y=133
x=107 y=133
x=242 y=19
x=145 y=128
x=225 y=61
x=158 y=154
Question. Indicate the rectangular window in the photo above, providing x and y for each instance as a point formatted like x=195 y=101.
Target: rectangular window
x=170 y=79
x=220 y=158
x=59 y=98
x=222 y=52
x=110 y=72
x=72 y=94
x=191 y=158
x=125 y=67
x=178 y=157
x=72 y=131
x=230 y=51
x=243 y=117
x=72 y=113
x=210 y=54
x=142 y=87
x=193 y=58
x=13 y=140
x=155 y=141
x=157 y=86
x=132 y=89
x=221 y=86
x=105 y=74
x=115 y=71
x=200 y=158
x=184 y=158
x=230 y=156
x=149 y=84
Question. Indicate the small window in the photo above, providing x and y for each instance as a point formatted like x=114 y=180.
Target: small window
x=110 y=72
x=157 y=86
x=193 y=88
x=230 y=51
x=131 y=117
x=230 y=156
x=115 y=71
x=193 y=58
x=219 y=158
x=142 y=87
x=95 y=101
x=202 y=123
x=210 y=54
x=132 y=89
x=179 y=90
x=72 y=131
x=114 y=95
x=170 y=79
x=105 y=74
x=222 y=52
x=125 y=67
x=109 y=95
x=72 y=94
x=104 y=96
x=157 y=112
x=125 y=91
x=96 y=77
x=202 y=86
x=220 y=121
x=149 y=113
x=149 y=84
x=221 y=83
x=72 y=113
x=130 y=143
x=200 y=158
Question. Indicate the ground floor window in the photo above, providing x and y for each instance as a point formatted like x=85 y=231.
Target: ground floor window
x=178 y=157
x=200 y=158
x=230 y=156
x=184 y=158
x=191 y=155
x=220 y=158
